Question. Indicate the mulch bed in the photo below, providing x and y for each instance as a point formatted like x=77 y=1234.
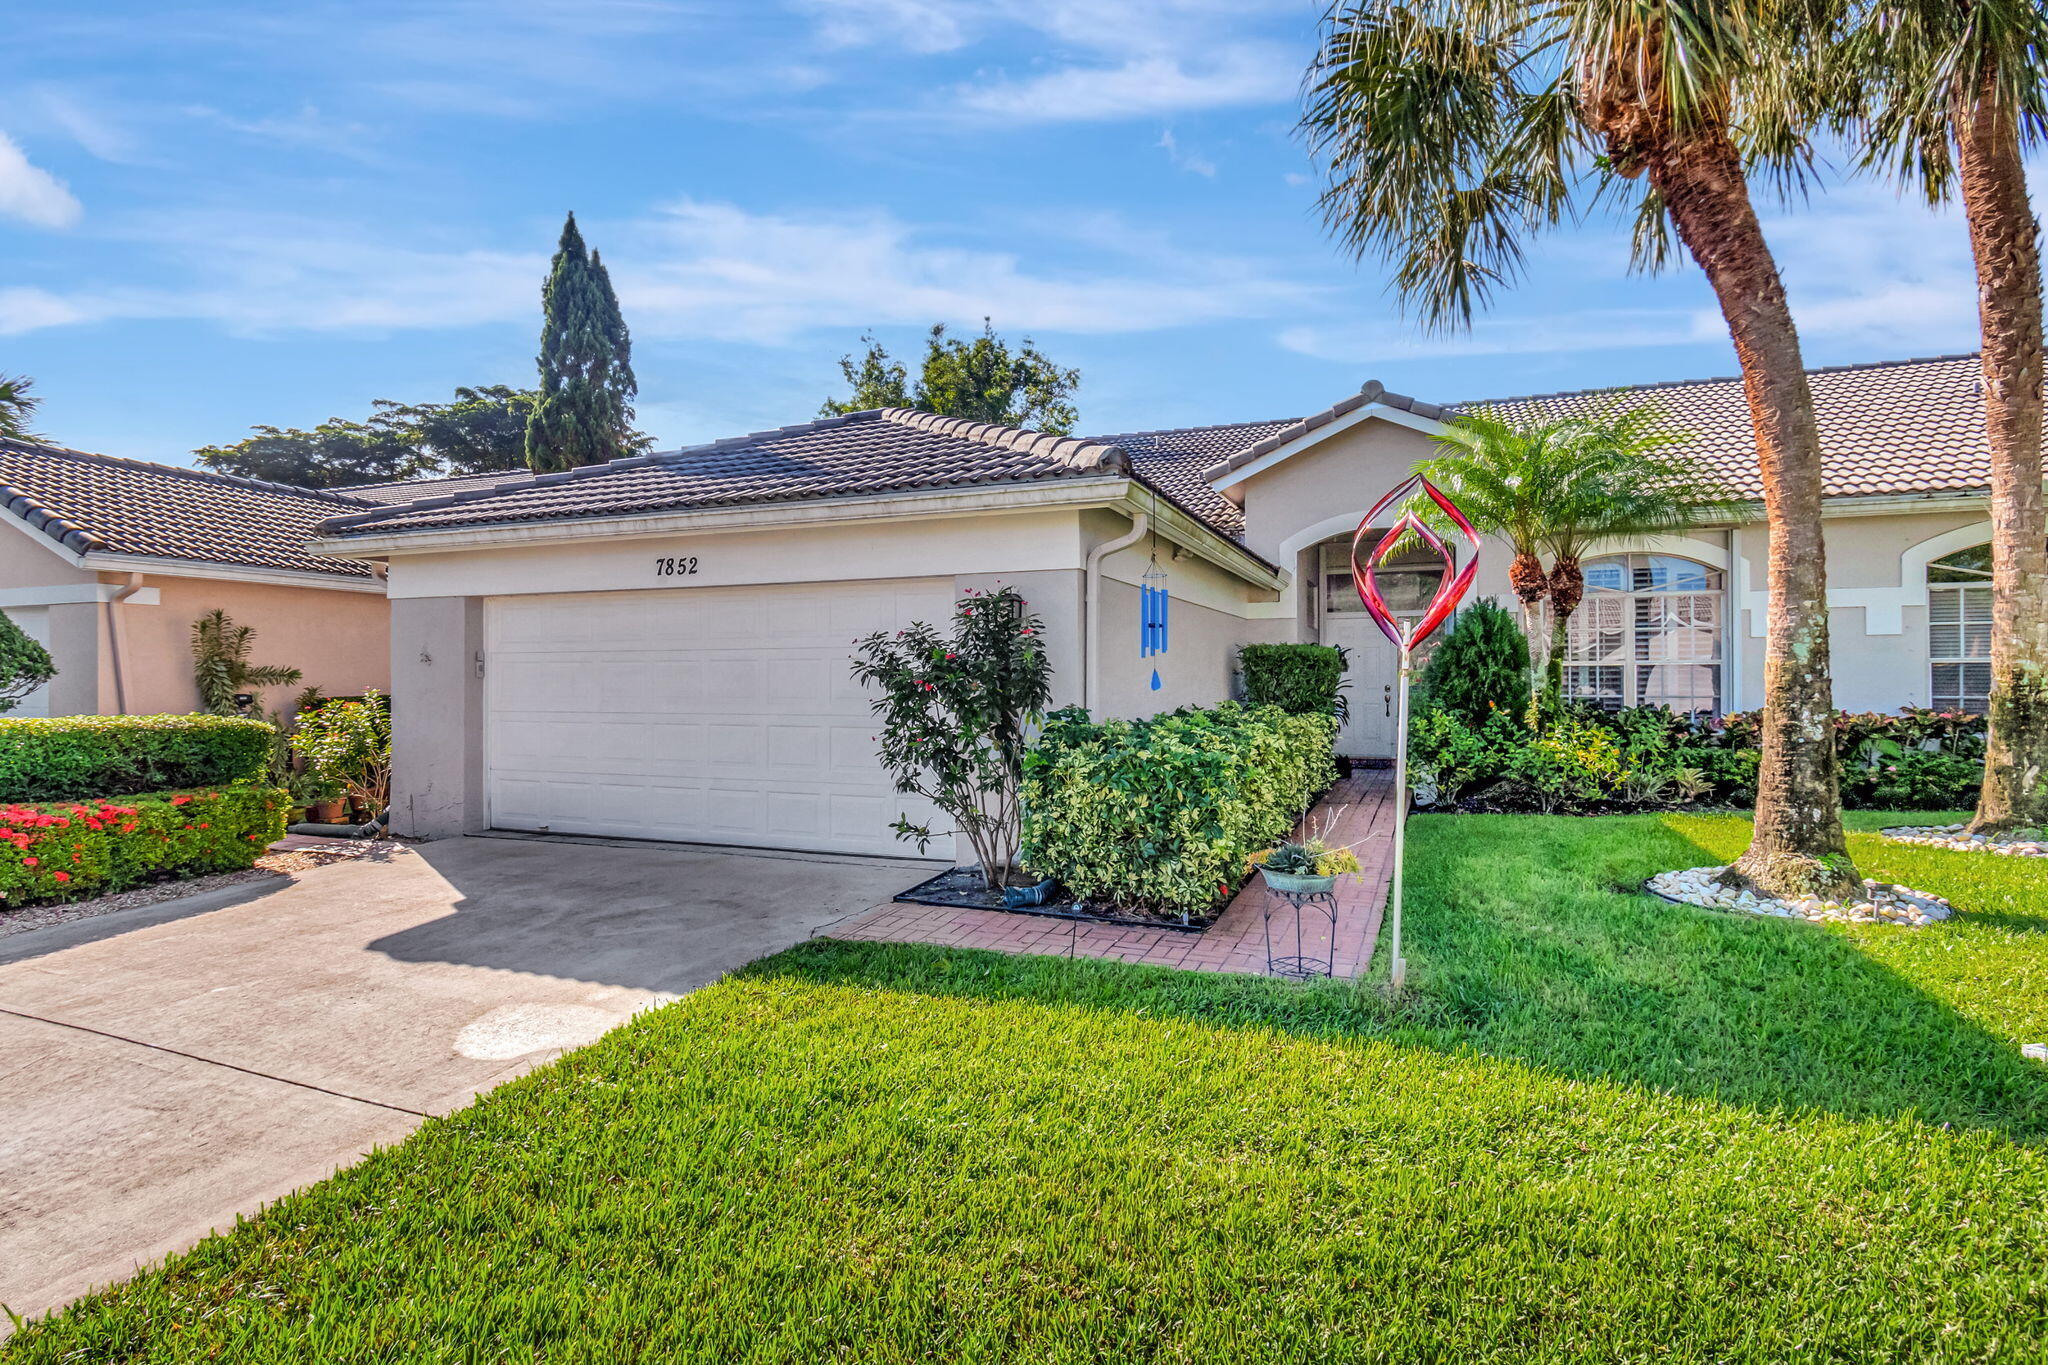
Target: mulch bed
x=276 y=866
x=962 y=888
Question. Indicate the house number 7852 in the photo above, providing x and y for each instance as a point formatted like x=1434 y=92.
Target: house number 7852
x=675 y=566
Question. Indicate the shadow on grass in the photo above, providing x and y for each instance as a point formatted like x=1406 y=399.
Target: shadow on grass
x=1521 y=947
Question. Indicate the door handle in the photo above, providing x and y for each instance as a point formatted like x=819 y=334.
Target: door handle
x=1389 y=691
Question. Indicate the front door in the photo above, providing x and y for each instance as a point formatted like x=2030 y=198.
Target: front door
x=1375 y=667
x=1408 y=582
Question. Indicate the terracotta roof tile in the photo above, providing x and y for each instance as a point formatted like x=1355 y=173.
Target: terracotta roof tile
x=90 y=502
x=879 y=451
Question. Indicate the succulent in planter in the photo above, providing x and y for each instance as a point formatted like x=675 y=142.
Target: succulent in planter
x=1307 y=865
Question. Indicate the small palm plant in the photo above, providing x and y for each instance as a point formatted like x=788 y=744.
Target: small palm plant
x=1558 y=487
x=221 y=667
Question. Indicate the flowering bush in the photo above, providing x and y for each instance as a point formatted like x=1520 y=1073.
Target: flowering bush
x=1572 y=764
x=73 y=850
x=954 y=712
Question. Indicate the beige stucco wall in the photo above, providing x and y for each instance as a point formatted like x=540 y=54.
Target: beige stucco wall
x=28 y=562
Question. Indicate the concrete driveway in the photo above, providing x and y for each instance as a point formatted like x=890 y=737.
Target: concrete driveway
x=166 y=1068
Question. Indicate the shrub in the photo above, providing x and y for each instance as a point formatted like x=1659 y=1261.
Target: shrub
x=24 y=664
x=57 y=851
x=347 y=748
x=220 y=664
x=1481 y=667
x=1731 y=772
x=1162 y=814
x=1914 y=780
x=1302 y=680
x=1571 y=765
x=89 y=757
x=954 y=710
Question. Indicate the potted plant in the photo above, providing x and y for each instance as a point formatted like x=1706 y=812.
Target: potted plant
x=347 y=748
x=1308 y=867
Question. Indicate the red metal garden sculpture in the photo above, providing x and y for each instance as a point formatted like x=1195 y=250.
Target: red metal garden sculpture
x=1406 y=634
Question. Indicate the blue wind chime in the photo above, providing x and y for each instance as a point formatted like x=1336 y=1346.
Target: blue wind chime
x=1152 y=604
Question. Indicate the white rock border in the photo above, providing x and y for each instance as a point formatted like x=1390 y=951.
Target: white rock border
x=1958 y=838
x=1885 y=903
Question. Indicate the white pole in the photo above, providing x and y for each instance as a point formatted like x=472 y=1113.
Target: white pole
x=1399 y=968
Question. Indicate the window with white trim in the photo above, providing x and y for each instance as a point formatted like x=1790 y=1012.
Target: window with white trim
x=1647 y=634
x=1408 y=580
x=1959 y=630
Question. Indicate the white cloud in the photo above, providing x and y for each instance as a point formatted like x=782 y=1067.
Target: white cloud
x=90 y=128
x=1605 y=329
x=305 y=128
x=690 y=269
x=1143 y=87
x=32 y=194
x=920 y=25
x=1191 y=161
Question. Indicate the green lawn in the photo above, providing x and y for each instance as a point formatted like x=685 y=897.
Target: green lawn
x=1596 y=1128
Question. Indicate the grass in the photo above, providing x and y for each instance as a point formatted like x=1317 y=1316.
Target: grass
x=1596 y=1128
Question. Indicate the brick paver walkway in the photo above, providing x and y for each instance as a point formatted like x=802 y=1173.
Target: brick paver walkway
x=1358 y=811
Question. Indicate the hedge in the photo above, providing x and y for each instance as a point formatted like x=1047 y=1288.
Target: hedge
x=1160 y=815
x=1300 y=679
x=87 y=758
x=74 y=850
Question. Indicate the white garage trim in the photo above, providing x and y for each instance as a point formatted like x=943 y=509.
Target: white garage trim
x=718 y=715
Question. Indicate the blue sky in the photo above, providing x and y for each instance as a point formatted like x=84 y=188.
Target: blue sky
x=220 y=214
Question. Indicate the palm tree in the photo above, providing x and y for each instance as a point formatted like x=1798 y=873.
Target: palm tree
x=221 y=667
x=17 y=405
x=1560 y=487
x=1941 y=92
x=1451 y=129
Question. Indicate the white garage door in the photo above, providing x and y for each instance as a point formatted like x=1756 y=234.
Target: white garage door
x=713 y=715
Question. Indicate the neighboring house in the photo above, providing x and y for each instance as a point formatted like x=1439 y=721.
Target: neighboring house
x=657 y=647
x=107 y=562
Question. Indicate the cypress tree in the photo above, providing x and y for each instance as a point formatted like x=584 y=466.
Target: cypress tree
x=584 y=414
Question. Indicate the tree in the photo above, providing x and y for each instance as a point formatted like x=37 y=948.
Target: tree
x=1946 y=94
x=481 y=430
x=584 y=414
x=955 y=711
x=24 y=664
x=221 y=667
x=1481 y=666
x=1452 y=129
x=982 y=380
x=335 y=454
x=17 y=406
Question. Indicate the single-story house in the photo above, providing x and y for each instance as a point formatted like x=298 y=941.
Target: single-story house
x=657 y=647
x=107 y=562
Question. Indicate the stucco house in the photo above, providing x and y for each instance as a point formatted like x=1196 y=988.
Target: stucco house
x=107 y=562
x=657 y=647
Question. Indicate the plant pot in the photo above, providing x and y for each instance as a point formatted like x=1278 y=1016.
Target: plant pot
x=1303 y=885
x=1343 y=766
x=1038 y=894
x=327 y=812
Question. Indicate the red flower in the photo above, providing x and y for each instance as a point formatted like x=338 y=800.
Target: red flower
x=61 y=876
x=31 y=862
x=180 y=800
x=204 y=825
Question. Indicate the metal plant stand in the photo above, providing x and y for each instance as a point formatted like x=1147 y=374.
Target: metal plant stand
x=1301 y=966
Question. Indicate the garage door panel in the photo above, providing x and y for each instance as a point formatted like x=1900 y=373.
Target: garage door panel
x=723 y=715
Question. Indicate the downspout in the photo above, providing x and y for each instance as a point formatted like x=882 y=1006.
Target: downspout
x=1091 y=687
x=133 y=586
x=1731 y=627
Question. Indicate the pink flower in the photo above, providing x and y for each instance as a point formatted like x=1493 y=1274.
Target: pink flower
x=32 y=862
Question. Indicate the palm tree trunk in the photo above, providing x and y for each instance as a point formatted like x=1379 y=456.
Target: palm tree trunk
x=1798 y=847
x=1567 y=590
x=1531 y=586
x=2005 y=241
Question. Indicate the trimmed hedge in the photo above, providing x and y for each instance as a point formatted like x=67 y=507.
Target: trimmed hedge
x=74 y=850
x=1302 y=680
x=88 y=758
x=1160 y=814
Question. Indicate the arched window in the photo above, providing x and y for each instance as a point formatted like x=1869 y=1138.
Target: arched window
x=1959 y=629
x=1648 y=634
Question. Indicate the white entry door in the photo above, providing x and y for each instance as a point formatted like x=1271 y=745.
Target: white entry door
x=712 y=715
x=1375 y=667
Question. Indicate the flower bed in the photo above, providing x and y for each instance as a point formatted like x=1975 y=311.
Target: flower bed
x=74 y=850
x=1586 y=761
